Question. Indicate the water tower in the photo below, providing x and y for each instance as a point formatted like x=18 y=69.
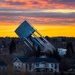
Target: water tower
x=31 y=36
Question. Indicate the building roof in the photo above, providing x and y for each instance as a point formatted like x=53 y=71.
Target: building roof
x=51 y=60
x=23 y=59
x=72 y=63
x=3 y=63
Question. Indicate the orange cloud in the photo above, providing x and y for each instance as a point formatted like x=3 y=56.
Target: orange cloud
x=12 y=20
x=40 y=4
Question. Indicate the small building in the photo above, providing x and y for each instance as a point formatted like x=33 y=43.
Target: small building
x=71 y=66
x=62 y=51
x=43 y=65
x=3 y=66
x=19 y=63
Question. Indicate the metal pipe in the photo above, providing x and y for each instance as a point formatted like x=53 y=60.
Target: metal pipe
x=28 y=42
x=45 y=39
x=38 y=40
x=28 y=45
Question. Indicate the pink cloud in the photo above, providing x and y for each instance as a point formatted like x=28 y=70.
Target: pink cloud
x=39 y=4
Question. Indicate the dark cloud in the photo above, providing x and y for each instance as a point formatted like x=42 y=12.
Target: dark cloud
x=35 y=2
x=44 y=15
x=69 y=3
x=60 y=4
x=12 y=9
x=15 y=3
x=63 y=21
x=67 y=0
x=51 y=18
x=38 y=4
x=11 y=19
x=60 y=1
x=2 y=0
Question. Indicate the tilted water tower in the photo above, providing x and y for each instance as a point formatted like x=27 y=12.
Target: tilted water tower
x=30 y=36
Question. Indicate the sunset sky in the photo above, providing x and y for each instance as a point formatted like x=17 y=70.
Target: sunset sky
x=49 y=17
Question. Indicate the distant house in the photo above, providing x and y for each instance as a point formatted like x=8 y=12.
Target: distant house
x=19 y=63
x=71 y=66
x=62 y=51
x=43 y=65
x=3 y=66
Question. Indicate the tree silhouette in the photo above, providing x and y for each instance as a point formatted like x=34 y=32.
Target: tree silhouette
x=49 y=54
x=12 y=47
x=56 y=55
x=70 y=50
